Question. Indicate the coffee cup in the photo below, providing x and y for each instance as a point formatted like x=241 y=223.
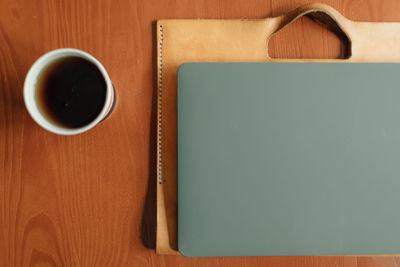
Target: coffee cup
x=68 y=91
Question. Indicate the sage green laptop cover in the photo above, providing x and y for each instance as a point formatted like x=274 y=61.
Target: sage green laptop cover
x=288 y=159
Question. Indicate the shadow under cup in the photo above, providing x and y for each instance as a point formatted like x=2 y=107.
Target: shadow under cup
x=68 y=91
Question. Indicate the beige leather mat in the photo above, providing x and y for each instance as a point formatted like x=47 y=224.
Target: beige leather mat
x=197 y=40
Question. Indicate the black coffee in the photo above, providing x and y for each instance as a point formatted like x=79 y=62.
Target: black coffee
x=71 y=92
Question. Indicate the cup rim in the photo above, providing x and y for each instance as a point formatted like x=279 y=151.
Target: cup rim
x=30 y=88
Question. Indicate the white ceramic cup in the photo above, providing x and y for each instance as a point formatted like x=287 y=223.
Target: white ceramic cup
x=30 y=87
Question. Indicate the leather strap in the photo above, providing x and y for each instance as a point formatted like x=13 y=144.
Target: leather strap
x=322 y=13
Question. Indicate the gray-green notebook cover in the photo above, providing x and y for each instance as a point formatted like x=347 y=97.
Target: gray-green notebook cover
x=288 y=159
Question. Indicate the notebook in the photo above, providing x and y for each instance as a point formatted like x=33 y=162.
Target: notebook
x=288 y=159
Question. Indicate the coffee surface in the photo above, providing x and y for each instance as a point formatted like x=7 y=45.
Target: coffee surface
x=71 y=92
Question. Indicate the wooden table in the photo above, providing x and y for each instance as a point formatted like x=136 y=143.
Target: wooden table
x=89 y=200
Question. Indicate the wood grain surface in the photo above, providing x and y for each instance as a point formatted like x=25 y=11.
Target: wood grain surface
x=89 y=200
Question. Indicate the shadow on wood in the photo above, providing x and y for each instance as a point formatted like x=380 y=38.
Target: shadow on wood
x=148 y=224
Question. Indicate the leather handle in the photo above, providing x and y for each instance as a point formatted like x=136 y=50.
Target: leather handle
x=322 y=13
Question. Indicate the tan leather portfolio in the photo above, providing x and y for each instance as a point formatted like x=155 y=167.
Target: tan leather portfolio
x=197 y=40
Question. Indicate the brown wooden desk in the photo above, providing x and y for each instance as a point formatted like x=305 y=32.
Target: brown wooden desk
x=89 y=200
